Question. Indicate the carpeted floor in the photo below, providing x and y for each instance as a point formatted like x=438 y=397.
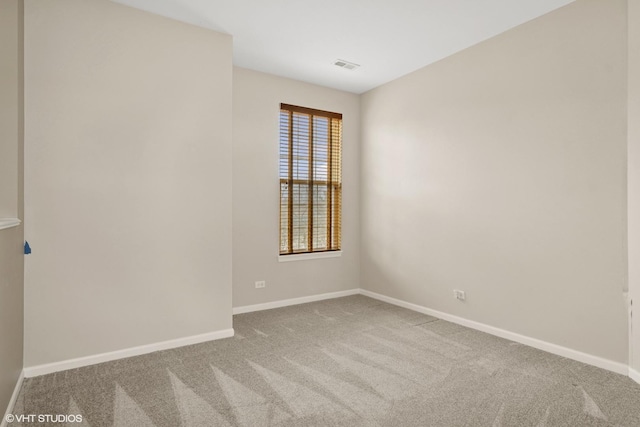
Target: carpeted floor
x=350 y=361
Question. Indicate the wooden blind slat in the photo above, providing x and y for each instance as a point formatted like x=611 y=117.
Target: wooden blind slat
x=312 y=141
x=310 y=111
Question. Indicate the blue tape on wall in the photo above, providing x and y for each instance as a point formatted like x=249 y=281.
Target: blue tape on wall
x=27 y=248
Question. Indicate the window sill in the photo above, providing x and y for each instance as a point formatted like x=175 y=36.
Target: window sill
x=9 y=222
x=316 y=255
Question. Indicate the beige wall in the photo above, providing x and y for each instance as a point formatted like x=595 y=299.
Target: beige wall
x=11 y=150
x=256 y=105
x=634 y=174
x=501 y=171
x=128 y=179
x=9 y=74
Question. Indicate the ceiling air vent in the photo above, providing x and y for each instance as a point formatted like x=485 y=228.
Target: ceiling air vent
x=345 y=64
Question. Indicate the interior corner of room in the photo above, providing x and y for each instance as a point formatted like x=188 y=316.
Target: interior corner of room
x=144 y=176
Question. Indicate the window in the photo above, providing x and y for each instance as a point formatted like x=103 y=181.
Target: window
x=310 y=180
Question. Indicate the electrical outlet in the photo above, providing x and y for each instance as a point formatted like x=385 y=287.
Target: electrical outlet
x=261 y=284
x=457 y=294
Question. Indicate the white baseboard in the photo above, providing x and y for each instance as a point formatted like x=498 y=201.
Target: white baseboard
x=12 y=401
x=610 y=365
x=293 y=301
x=589 y=359
x=34 y=371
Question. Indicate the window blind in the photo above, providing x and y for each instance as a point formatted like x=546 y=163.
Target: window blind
x=310 y=180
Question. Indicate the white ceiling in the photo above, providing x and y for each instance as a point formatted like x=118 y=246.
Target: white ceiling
x=301 y=39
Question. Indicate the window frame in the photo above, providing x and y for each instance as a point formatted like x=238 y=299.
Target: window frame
x=334 y=186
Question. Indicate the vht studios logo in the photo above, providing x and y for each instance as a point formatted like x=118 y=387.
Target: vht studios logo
x=43 y=418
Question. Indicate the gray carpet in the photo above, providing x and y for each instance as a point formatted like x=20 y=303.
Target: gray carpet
x=351 y=361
